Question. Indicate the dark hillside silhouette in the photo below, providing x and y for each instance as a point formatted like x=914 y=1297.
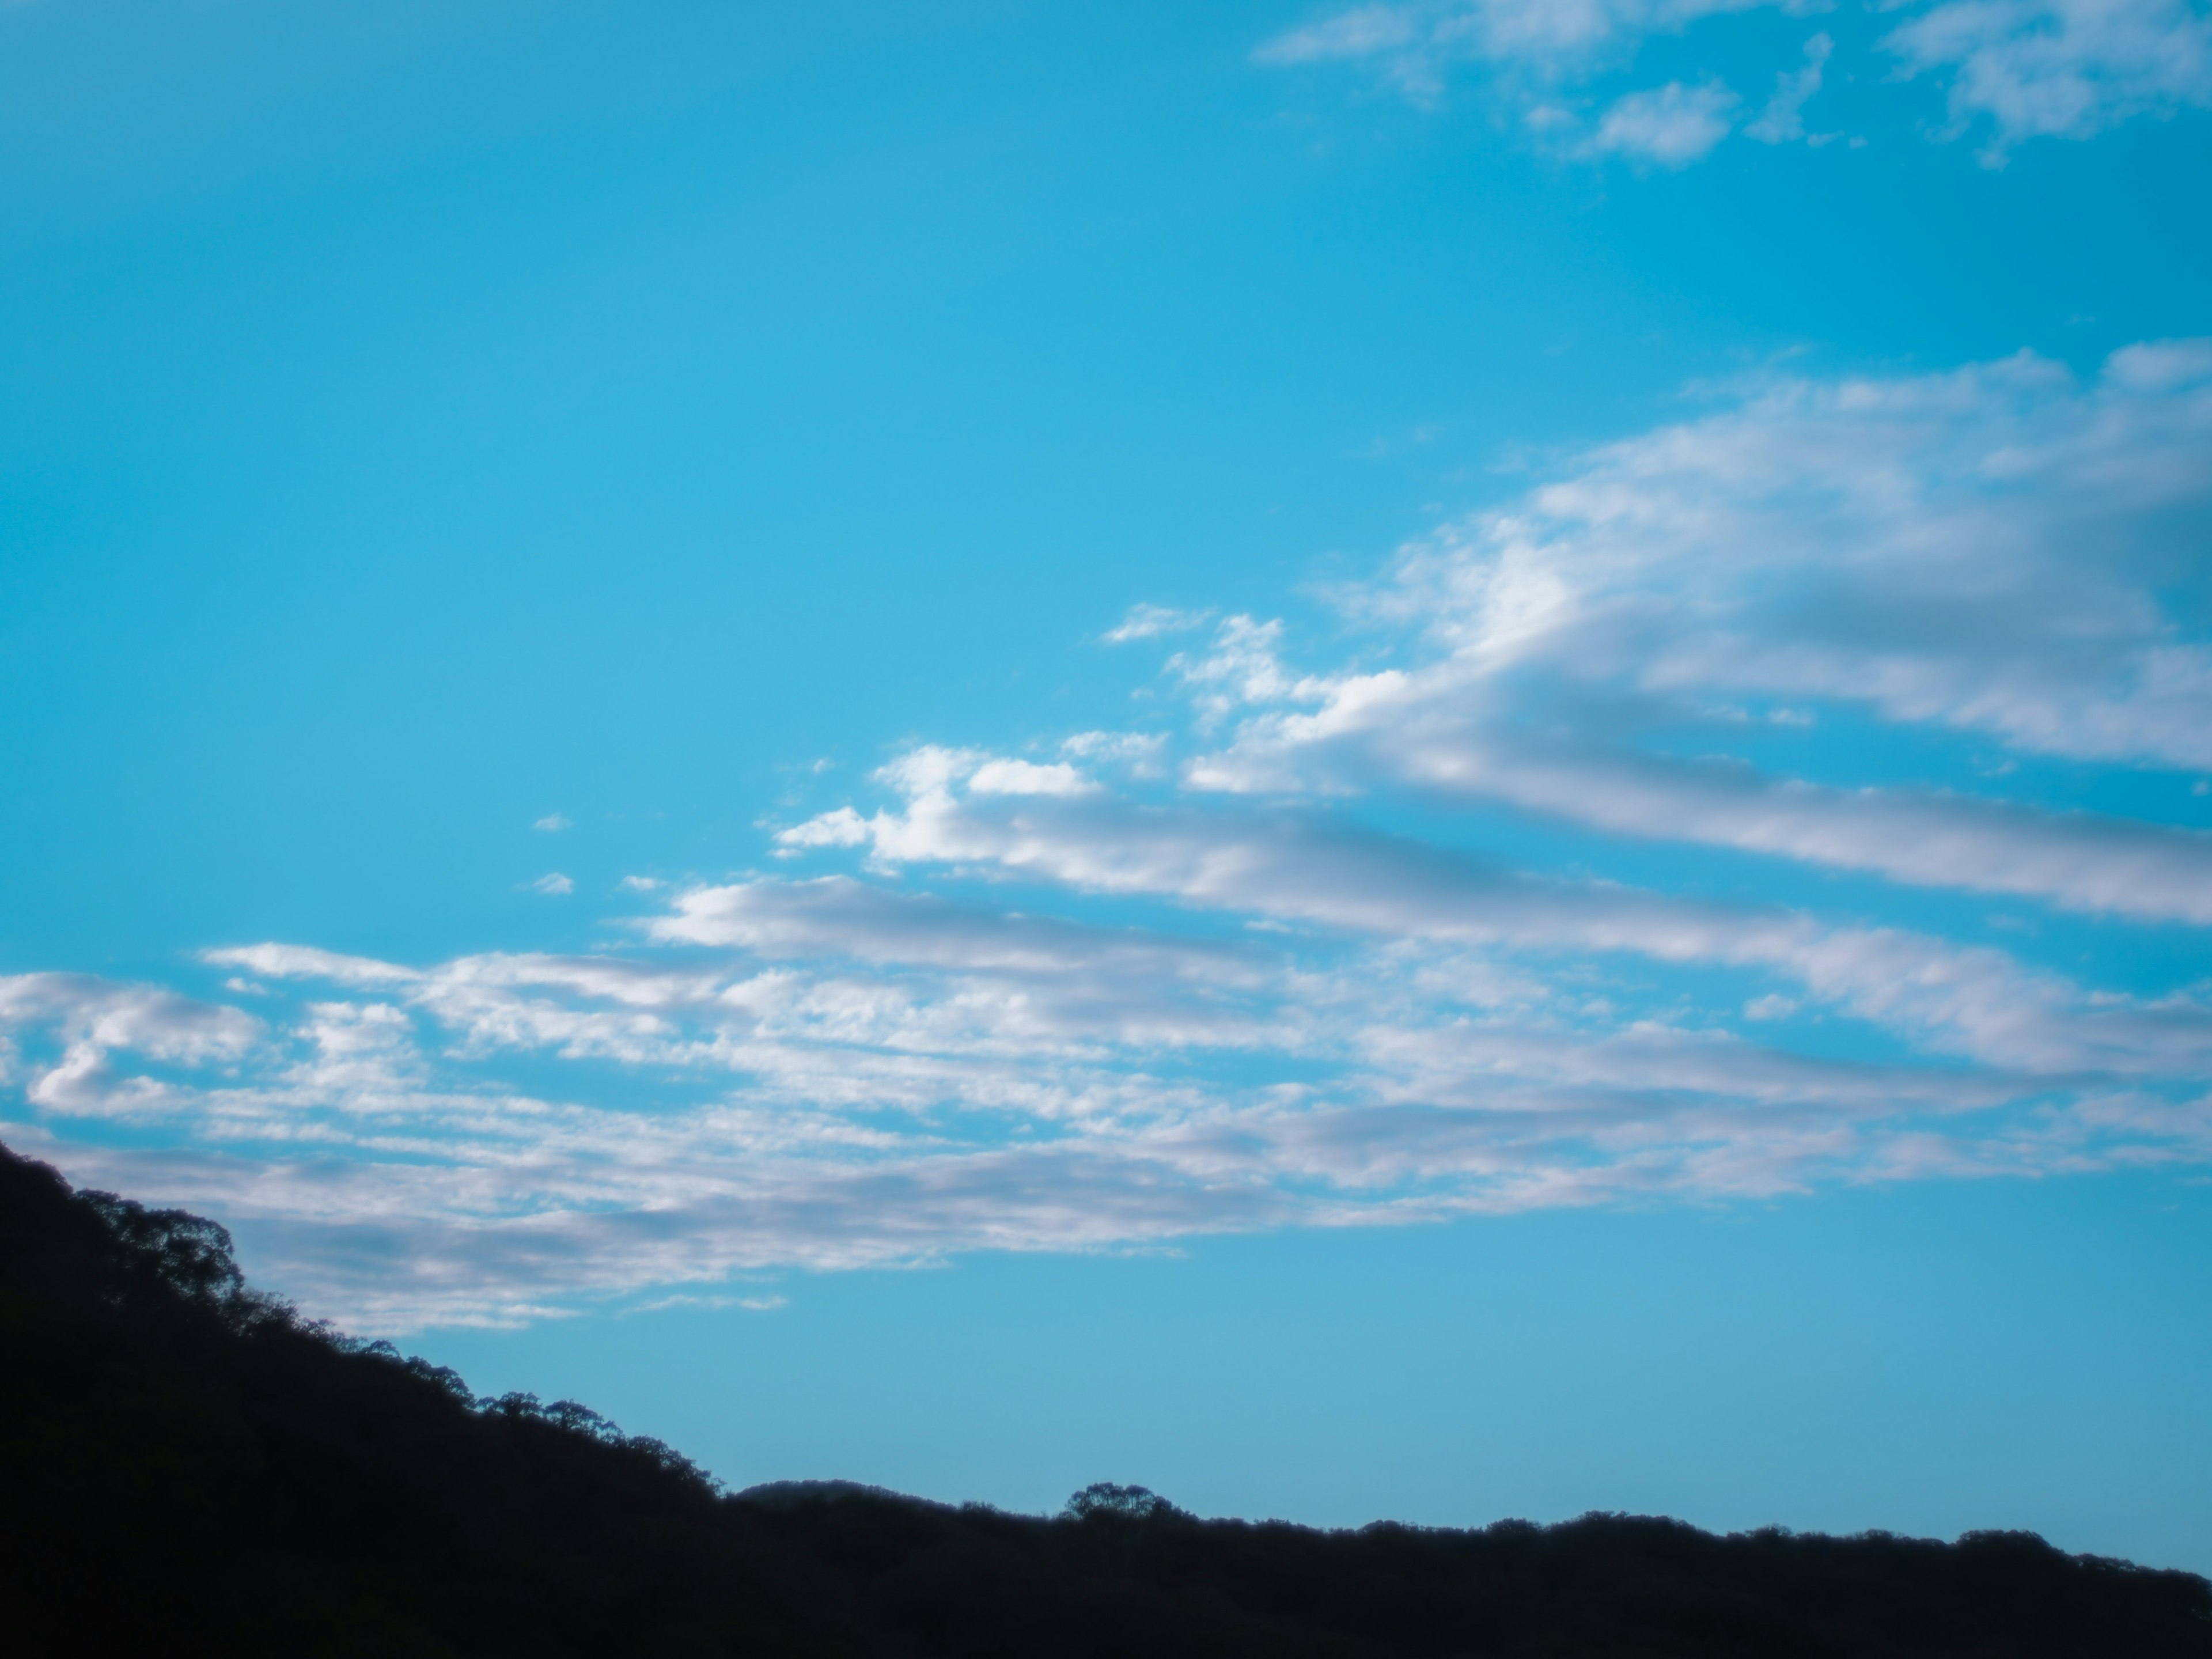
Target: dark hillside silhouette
x=186 y=1468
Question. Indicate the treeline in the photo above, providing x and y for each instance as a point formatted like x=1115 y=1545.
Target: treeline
x=187 y=1468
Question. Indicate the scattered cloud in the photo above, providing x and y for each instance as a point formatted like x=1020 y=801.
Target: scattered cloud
x=1416 y=44
x=552 y=823
x=553 y=884
x=1668 y=126
x=2016 y=70
x=1539 y=59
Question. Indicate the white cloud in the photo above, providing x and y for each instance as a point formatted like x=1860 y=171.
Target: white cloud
x=837 y=914
x=1140 y=751
x=86 y=1084
x=1982 y=553
x=148 y=1019
x=1228 y=1000
x=1242 y=667
x=842 y=828
x=750 y=1303
x=868 y=1076
x=1363 y=31
x=2060 y=69
x=553 y=822
x=1537 y=56
x=1969 y=1001
x=2076 y=860
x=553 y=885
x=1416 y=43
x=1019 y=777
x=663 y=1303
x=2027 y=68
x=273 y=960
x=92 y=1018
x=1670 y=126
x=1147 y=621
x=1783 y=118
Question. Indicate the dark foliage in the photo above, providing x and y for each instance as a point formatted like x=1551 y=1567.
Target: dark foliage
x=186 y=1468
x=1104 y=1498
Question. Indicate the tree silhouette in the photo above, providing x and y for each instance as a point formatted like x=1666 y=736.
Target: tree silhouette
x=1104 y=1498
x=188 y=1468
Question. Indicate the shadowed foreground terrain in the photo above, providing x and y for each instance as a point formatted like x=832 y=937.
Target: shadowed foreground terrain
x=187 y=1468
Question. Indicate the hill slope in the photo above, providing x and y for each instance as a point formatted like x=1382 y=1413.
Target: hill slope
x=189 y=1468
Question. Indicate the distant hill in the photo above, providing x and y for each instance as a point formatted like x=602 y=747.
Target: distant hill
x=186 y=1468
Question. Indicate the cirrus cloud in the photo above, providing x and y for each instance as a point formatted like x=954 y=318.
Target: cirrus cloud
x=1292 y=958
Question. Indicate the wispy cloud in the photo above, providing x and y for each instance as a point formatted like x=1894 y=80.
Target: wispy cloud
x=1783 y=118
x=750 y=1303
x=1299 y=871
x=1147 y=621
x=2060 y=68
x=2016 y=70
x=1418 y=42
x=1077 y=1000
x=1911 y=549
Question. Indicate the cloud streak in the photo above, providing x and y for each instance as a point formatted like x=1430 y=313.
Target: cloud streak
x=1990 y=555
x=1293 y=957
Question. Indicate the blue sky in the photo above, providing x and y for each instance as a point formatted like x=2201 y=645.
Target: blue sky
x=1439 y=760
